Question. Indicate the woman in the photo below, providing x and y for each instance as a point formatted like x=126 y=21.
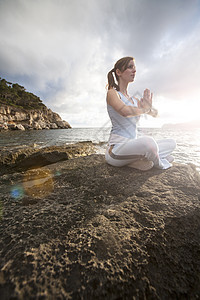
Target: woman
x=124 y=148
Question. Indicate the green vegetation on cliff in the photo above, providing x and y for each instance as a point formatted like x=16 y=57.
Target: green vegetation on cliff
x=14 y=94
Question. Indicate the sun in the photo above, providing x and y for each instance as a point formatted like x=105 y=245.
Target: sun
x=188 y=111
x=178 y=111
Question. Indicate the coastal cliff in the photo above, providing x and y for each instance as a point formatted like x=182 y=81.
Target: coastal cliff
x=23 y=110
x=21 y=119
x=82 y=229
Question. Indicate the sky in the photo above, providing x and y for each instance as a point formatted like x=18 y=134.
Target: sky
x=62 y=50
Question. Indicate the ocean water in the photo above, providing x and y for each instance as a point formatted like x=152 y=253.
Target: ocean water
x=187 y=151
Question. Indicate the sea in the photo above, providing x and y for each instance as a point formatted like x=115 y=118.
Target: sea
x=187 y=151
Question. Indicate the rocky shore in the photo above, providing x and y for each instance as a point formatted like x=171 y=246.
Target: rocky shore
x=21 y=159
x=81 y=229
x=15 y=118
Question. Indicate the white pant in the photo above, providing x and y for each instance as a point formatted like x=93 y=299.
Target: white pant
x=144 y=147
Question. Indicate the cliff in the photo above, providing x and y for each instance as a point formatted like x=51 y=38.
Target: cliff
x=19 y=118
x=23 y=110
x=81 y=229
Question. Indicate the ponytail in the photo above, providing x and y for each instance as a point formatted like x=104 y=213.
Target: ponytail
x=111 y=80
x=122 y=65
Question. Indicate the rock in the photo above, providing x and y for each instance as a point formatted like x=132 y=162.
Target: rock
x=4 y=126
x=82 y=229
x=41 y=159
x=20 y=127
x=12 y=126
x=32 y=157
x=16 y=126
x=66 y=124
x=43 y=118
x=62 y=124
x=27 y=127
x=36 y=126
x=53 y=126
x=42 y=124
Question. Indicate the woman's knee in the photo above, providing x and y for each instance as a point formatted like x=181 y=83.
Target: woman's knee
x=149 y=144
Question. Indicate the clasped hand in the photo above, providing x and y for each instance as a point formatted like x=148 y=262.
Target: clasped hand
x=146 y=101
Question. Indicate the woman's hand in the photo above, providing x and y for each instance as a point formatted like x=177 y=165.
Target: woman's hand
x=146 y=101
x=153 y=112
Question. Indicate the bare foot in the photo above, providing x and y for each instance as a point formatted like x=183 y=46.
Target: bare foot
x=142 y=164
x=170 y=158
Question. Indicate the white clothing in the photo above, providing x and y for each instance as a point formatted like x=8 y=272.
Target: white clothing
x=123 y=128
x=124 y=147
x=159 y=152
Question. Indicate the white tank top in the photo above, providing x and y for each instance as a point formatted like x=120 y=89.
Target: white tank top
x=123 y=128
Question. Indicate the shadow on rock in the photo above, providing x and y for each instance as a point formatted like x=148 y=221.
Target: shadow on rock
x=103 y=233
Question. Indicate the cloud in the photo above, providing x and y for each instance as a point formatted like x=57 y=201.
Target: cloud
x=63 y=50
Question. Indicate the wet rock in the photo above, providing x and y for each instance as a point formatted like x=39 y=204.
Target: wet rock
x=81 y=229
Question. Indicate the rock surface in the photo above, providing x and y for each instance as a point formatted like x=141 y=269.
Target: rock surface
x=81 y=229
x=20 y=119
x=33 y=157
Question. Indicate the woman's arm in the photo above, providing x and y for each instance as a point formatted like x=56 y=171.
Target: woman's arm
x=153 y=112
x=114 y=100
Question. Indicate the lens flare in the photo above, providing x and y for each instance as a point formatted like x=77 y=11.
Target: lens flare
x=17 y=192
x=38 y=183
x=58 y=173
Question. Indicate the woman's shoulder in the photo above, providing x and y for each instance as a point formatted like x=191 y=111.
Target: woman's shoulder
x=112 y=92
x=112 y=96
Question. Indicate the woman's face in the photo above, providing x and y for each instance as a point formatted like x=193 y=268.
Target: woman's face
x=128 y=75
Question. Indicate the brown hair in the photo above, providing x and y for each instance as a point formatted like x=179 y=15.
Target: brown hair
x=122 y=65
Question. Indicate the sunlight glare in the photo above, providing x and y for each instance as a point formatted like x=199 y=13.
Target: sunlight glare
x=181 y=111
x=38 y=183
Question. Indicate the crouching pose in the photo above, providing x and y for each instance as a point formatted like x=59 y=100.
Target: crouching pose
x=124 y=148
